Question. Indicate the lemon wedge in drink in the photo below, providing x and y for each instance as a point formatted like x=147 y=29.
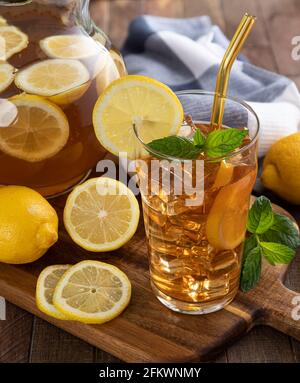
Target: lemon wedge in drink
x=143 y=101
x=62 y=81
x=69 y=46
x=101 y=214
x=227 y=218
x=45 y=287
x=40 y=131
x=6 y=75
x=92 y=292
x=12 y=41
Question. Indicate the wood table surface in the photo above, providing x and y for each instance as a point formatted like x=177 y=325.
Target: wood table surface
x=25 y=338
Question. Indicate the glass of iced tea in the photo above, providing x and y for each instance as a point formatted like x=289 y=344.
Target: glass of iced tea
x=54 y=64
x=195 y=211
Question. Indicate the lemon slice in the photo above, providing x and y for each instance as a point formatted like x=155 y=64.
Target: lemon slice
x=148 y=103
x=224 y=174
x=40 y=131
x=69 y=46
x=2 y=21
x=119 y=62
x=107 y=75
x=92 y=292
x=52 y=77
x=46 y=284
x=227 y=219
x=12 y=41
x=101 y=214
x=6 y=75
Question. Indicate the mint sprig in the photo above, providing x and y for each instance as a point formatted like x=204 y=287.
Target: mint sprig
x=216 y=144
x=220 y=142
x=270 y=235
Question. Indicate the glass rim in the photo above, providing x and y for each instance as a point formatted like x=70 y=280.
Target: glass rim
x=211 y=159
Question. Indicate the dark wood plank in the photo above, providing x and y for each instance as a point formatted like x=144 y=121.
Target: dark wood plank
x=51 y=344
x=15 y=335
x=121 y=13
x=104 y=357
x=234 y=10
x=257 y=47
x=167 y=8
x=282 y=23
x=212 y=8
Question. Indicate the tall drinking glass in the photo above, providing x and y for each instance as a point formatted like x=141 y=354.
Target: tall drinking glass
x=195 y=211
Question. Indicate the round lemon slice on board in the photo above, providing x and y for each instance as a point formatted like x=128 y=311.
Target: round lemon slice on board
x=6 y=75
x=92 y=292
x=69 y=46
x=101 y=214
x=45 y=287
x=53 y=77
x=40 y=131
x=12 y=41
x=139 y=100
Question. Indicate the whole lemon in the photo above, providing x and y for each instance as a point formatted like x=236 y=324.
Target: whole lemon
x=28 y=225
x=281 y=168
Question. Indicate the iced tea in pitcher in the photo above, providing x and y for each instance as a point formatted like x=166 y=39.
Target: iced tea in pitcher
x=54 y=65
x=195 y=211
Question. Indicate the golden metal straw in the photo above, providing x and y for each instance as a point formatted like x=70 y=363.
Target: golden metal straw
x=231 y=54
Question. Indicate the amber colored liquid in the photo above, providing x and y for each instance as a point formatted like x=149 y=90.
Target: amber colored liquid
x=184 y=265
x=82 y=150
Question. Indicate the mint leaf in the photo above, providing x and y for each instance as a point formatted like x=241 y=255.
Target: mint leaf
x=261 y=216
x=175 y=146
x=221 y=142
x=277 y=253
x=282 y=231
x=199 y=139
x=249 y=244
x=251 y=270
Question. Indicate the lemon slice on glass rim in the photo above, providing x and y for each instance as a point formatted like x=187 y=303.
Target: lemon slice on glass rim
x=45 y=287
x=40 y=130
x=92 y=292
x=137 y=99
x=101 y=214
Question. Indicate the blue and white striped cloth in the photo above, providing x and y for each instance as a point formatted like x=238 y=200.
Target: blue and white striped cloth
x=186 y=54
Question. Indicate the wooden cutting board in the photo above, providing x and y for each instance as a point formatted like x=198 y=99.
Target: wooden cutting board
x=147 y=331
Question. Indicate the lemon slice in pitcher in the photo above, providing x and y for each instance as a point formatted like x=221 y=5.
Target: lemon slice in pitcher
x=148 y=103
x=3 y=21
x=6 y=75
x=102 y=214
x=54 y=77
x=40 y=131
x=45 y=287
x=92 y=292
x=69 y=46
x=12 y=41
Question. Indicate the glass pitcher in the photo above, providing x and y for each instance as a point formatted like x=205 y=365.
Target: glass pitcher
x=54 y=64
